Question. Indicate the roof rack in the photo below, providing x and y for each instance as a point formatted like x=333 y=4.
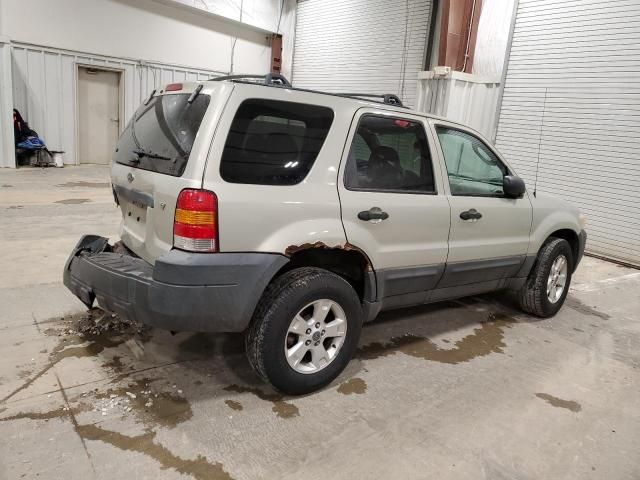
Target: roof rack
x=277 y=80
x=388 y=98
x=268 y=79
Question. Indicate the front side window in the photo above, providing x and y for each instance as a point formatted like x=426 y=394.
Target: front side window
x=473 y=169
x=389 y=154
x=274 y=143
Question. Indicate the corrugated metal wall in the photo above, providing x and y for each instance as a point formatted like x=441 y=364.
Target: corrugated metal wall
x=361 y=45
x=44 y=88
x=572 y=100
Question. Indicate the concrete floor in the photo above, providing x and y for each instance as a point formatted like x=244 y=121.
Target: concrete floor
x=461 y=390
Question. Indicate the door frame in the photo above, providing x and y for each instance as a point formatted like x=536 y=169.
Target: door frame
x=121 y=99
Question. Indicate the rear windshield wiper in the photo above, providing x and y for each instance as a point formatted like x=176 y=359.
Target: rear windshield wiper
x=140 y=152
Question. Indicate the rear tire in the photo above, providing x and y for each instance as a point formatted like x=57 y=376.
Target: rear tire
x=304 y=305
x=541 y=295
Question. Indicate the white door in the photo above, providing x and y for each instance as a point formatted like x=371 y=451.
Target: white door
x=393 y=206
x=98 y=114
x=489 y=235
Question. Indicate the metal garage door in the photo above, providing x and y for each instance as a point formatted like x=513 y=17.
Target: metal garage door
x=361 y=45
x=571 y=110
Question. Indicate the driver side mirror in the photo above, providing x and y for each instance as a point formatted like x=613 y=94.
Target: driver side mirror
x=513 y=186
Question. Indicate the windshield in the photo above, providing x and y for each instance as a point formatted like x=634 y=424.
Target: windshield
x=160 y=135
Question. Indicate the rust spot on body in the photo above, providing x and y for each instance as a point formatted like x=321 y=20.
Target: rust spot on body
x=347 y=247
x=291 y=249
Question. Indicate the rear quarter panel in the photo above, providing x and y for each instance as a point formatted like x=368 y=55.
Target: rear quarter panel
x=277 y=219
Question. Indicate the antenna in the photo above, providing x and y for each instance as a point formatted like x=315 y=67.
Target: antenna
x=544 y=109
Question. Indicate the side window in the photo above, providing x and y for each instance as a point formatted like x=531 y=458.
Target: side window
x=389 y=154
x=274 y=143
x=472 y=167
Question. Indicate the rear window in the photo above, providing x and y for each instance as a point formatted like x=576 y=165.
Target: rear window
x=160 y=135
x=274 y=143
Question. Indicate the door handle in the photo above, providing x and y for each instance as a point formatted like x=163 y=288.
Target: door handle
x=374 y=214
x=472 y=214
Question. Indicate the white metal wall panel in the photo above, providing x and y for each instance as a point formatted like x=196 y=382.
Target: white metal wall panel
x=571 y=112
x=461 y=97
x=361 y=46
x=44 y=88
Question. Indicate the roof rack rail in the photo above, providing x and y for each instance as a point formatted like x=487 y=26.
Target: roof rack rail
x=268 y=79
x=388 y=98
x=277 y=80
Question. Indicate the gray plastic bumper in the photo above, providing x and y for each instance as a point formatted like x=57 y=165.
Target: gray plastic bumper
x=183 y=291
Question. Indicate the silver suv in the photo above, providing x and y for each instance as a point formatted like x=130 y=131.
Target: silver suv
x=295 y=216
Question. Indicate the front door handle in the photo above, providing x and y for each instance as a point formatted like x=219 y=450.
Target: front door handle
x=374 y=214
x=472 y=214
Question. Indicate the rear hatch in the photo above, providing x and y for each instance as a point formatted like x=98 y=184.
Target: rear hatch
x=162 y=151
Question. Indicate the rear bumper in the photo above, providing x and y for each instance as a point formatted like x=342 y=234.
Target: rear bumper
x=183 y=291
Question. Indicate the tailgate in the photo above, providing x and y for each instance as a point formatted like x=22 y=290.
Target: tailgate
x=162 y=151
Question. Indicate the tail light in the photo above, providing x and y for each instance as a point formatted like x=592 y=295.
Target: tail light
x=195 y=228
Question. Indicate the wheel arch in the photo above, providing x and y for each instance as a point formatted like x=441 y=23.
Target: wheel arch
x=572 y=238
x=347 y=261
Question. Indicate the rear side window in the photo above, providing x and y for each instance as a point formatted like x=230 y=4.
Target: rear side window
x=160 y=135
x=273 y=142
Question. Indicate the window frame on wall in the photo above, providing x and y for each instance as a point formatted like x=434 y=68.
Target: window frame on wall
x=437 y=127
x=427 y=156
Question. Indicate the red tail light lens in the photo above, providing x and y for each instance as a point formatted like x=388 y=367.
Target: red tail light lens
x=173 y=87
x=195 y=228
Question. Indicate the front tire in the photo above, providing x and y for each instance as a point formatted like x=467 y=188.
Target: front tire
x=548 y=283
x=304 y=331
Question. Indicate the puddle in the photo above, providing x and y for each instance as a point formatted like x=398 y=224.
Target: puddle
x=559 y=402
x=486 y=339
x=199 y=468
x=151 y=406
x=61 y=412
x=280 y=407
x=354 y=385
x=579 y=306
x=233 y=405
x=74 y=345
x=73 y=201
x=82 y=183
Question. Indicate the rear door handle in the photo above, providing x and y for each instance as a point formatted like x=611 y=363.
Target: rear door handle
x=472 y=214
x=374 y=214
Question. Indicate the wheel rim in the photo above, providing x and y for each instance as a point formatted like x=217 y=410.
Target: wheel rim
x=315 y=336
x=557 y=280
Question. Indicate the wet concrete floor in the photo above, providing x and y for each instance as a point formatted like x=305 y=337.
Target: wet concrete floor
x=458 y=390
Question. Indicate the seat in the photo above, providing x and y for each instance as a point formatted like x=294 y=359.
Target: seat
x=384 y=169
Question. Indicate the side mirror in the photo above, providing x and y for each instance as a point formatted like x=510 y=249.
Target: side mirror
x=513 y=186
